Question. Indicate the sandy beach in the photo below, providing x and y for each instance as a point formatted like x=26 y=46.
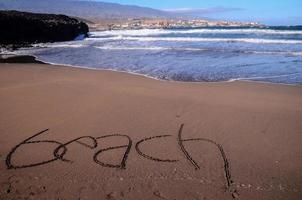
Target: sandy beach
x=71 y=133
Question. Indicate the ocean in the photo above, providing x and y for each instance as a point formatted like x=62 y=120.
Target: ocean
x=271 y=54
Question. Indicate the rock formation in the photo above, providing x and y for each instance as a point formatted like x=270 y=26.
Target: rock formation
x=23 y=28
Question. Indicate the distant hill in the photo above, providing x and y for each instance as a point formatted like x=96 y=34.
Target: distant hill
x=84 y=9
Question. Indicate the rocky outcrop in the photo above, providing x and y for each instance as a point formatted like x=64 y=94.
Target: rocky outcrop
x=11 y=58
x=23 y=28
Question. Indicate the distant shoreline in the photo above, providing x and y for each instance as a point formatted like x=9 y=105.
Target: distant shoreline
x=130 y=24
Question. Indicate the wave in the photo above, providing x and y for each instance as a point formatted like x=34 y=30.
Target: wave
x=264 y=77
x=242 y=31
x=55 y=45
x=156 y=48
x=294 y=53
x=141 y=32
x=137 y=48
x=190 y=39
x=150 y=32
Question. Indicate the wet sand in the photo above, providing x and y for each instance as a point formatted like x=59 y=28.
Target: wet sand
x=70 y=133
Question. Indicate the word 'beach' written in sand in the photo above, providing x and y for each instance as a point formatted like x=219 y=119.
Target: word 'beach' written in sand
x=61 y=149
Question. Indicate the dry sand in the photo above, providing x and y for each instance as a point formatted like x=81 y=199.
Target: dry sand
x=249 y=144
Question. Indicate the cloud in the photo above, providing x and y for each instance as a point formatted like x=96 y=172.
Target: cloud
x=203 y=11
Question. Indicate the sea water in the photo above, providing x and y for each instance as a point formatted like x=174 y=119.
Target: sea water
x=271 y=54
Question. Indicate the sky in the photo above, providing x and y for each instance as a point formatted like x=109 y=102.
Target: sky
x=270 y=12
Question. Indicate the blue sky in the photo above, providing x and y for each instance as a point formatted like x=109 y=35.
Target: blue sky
x=273 y=12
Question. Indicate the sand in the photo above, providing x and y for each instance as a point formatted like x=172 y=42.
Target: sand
x=139 y=135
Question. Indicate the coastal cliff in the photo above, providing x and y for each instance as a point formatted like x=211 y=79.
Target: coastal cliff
x=23 y=28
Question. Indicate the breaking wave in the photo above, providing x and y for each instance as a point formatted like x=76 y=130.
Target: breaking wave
x=208 y=54
x=151 y=32
x=156 y=48
x=192 y=39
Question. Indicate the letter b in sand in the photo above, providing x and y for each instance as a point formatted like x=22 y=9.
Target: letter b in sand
x=29 y=141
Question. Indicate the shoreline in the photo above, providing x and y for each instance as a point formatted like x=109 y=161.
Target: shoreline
x=15 y=58
x=173 y=81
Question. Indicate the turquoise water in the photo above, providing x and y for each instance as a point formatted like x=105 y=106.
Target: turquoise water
x=271 y=54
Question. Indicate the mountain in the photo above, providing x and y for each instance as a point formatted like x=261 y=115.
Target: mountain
x=84 y=9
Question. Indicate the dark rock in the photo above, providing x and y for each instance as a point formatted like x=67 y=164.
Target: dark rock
x=6 y=58
x=23 y=28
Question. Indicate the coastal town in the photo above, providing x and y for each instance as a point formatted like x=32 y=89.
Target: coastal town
x=166 y=24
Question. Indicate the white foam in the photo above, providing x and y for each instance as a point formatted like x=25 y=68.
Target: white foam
x=141 y=32
x=190 y=39
x=156 y=48
x=241 y=31
x=152 y=32
x=294 y=53
x=133 y=48
x=264 y=77
x=58 y=45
